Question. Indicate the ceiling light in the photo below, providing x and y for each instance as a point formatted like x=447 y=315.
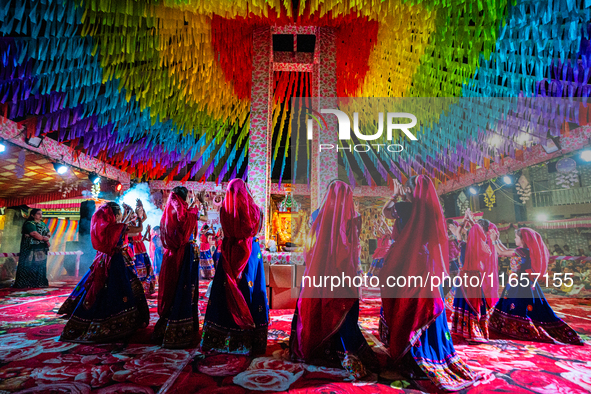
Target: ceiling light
x=94 y=178
x=35 y=142
x=60 y=168
x=542 y=217
x=586 y=155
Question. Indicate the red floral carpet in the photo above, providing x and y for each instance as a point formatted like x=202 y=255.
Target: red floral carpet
x=33 y=361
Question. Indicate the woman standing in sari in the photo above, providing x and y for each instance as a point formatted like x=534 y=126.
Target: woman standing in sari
x=522 y=311
x=109 y=302
x=413 y=324
x=237 y=314
x=178 y=290
x=32 y=261
x=324 y=330
x=473 y=305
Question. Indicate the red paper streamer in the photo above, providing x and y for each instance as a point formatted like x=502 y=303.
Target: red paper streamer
x=232 y=44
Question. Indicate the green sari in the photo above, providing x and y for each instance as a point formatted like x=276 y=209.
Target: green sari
x=32 y=261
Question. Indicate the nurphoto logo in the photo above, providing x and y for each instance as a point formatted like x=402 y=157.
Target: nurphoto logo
x=345 y=130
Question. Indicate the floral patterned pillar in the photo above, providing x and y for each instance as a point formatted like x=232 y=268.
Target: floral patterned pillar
x=324 y=165
x=259 y=148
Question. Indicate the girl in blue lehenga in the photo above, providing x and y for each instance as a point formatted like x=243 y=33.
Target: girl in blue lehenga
x=109 y=302
x=413 y=324
x=237 y=315
x=522 y=311
x=156 y=249
x=206 y=262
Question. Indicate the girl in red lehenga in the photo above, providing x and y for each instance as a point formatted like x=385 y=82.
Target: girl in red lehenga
x=178 y=290
x=413 y=324
x=324 y=330
x=472 y=304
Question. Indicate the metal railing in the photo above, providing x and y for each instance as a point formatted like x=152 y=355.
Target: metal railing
x=548 y=198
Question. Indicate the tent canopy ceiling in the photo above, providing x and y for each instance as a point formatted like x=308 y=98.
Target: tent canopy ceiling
x=163 y=88
x=38 y=175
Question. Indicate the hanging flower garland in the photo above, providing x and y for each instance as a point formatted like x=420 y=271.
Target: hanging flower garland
x=66 y=187
x=96 y=190
x=567 y=175
x=463 y=203
x=523 y=188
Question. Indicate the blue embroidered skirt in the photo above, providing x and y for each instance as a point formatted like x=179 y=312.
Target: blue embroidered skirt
x=180 y=325
x=118 y=311
x=220 y=332
x=523 y=313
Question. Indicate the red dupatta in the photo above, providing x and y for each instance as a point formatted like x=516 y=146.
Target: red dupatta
x=383 y=245
x=240 y=218
x=105 y=234
x=538 y=251
x=420 y=248
x=176 y=226
x=333 y=251
x=481 y=256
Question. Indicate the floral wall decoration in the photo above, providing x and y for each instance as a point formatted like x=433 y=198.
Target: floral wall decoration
x=489 y=198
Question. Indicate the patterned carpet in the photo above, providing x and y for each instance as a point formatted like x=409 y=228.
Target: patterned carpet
x=33 y=361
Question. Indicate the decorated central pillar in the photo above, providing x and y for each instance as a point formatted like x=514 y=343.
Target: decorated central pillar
x=259 y=148
x=324 y=165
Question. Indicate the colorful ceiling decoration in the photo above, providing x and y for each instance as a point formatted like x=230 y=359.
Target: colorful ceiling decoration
x=162 y=88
